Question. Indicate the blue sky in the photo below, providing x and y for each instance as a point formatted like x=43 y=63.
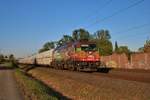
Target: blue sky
x=25 y=25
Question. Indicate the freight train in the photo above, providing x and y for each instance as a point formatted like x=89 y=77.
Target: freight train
x=79 y=56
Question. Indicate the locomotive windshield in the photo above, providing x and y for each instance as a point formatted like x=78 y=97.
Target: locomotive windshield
x=88 y=47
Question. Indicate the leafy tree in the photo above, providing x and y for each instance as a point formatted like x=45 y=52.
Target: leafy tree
x=47 y=46
x=123 y=49
x=75 y=35
x=13 y=61
x=84 y=35
x=64 y=40
x=141 y=49
x=60 y=42
x=80 y=34
x=67 y=38
x=11 y=57
x=1 y=58
x=105 y=47
x=6 y=57
x=103 y=34
x=103 y=42
x=116 y=46
x=147 y=46
x=92 y=37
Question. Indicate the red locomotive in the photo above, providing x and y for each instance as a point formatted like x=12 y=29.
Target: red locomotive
x=79 y=55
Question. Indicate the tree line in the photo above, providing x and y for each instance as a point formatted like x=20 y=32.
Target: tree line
x=146 y=47
x=4 y=58
x=102 y=38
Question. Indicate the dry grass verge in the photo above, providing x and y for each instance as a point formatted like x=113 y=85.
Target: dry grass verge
x=33 y=90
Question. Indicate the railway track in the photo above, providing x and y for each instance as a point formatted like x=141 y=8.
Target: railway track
x=123 y=74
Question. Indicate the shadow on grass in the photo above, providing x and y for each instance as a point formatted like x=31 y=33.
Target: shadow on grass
x=104 y=70
x=26 y=68
x=52 y=91
x=55 y=93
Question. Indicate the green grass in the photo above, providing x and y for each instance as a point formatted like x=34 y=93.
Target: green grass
x=32 y=88
x=7 y=64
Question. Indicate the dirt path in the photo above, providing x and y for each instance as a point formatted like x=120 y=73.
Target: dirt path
x=8 y=86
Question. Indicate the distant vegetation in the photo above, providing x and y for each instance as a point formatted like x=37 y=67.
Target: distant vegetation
x=8 y=61
x=47 y=46
x=101 y=37
x=146 y=47
x=4 y=58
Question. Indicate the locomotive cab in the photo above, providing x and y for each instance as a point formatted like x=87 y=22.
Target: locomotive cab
x=86 y=56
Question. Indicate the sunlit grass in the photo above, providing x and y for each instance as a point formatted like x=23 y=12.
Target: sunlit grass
x=33 y=89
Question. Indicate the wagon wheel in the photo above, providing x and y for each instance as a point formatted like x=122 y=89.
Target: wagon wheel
x=71 y=67
x=78 y=68
x=62 y=67
x=65 y=66
x=57 y=66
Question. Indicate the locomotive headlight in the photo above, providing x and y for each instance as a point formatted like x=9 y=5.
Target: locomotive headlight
x=90 y=52
x=83 y=59
x=97 y=59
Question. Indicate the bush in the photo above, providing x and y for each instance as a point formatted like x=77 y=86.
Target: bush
x=14 y=64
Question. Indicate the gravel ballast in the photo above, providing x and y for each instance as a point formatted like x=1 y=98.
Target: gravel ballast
x=85 y=86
